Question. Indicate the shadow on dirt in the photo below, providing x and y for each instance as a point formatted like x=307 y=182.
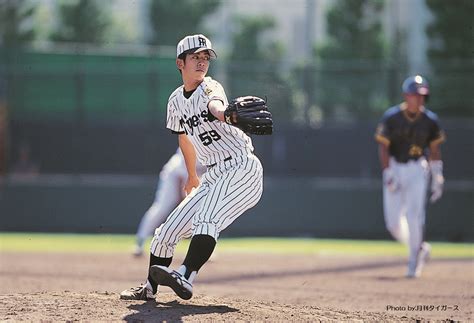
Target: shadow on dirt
x=314 y=271
x=319 y=271
x=173 y=311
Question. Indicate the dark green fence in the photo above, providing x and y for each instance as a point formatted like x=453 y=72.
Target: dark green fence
x=298 y=206
x=88 y=88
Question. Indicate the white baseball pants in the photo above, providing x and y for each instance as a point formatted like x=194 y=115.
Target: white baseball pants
x=404 y=208
x=226 y=191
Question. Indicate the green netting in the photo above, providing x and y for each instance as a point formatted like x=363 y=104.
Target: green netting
x=51 y=85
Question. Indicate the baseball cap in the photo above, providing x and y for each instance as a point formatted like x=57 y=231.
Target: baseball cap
x=195 y=44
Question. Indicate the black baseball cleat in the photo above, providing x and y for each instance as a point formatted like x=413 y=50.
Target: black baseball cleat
x=173 y=279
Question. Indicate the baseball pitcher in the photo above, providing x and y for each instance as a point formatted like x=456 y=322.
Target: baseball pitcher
x=214 y=132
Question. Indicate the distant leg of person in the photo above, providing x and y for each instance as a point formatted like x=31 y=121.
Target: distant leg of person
x=394 y=214
x=416 y=203
x=168 y=194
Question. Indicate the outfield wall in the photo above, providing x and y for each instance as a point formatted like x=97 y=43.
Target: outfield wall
x=312 y=207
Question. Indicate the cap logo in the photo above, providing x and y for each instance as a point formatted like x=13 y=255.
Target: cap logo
x=202 y=42
x=195 y=44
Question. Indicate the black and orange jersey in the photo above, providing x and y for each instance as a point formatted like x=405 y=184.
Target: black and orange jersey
x=409 y=136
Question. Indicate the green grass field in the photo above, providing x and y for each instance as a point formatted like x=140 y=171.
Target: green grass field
x=39 y=242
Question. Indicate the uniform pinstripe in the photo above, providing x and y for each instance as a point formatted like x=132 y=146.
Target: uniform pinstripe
x=233 y=182
x=213 y=141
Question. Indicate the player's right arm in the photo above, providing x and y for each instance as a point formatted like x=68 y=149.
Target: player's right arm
x=190 y=160
x=390 y=179
x=382 y=138
x=173 y=123
x=384 y=155
x=382 y=135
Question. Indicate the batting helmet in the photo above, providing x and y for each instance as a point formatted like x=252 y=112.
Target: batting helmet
x=416 y=85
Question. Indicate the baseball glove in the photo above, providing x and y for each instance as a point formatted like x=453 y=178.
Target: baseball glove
x=250 y=114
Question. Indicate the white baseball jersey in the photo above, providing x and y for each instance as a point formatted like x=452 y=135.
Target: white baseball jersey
x=233 y=182
x=213 y=141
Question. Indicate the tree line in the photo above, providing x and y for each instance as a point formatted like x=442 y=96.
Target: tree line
x=341 y=80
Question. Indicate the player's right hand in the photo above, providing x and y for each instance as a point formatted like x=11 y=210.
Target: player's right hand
x=390 y=180
x=191 y=184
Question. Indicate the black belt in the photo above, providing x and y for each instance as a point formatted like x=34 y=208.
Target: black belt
x=225 y=159
x=406 y=160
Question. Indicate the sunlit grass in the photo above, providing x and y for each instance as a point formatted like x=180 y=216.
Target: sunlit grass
x=341 y=247
x=117 y=243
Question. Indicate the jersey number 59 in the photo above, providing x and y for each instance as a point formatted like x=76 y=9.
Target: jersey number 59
x=208 y=137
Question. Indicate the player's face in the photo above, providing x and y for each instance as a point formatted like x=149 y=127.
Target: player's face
x=414 y=101
x=196 y=65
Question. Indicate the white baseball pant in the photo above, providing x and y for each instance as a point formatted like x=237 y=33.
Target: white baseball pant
x=404 y=208
x=226 y=191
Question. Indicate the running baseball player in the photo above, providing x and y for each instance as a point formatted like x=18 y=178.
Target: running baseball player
x=169 y=193
x=214 y=132
x=409 y=137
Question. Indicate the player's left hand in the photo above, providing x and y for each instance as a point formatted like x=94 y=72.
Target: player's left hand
x=437 y=185
x=191 y=184
x=437 y=180
x=250 y=113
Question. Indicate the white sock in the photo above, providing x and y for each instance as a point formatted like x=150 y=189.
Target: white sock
x=182 y=271
x=192 y=276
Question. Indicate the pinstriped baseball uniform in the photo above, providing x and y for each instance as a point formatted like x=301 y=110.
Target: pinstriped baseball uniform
x=233 y=182
x=213 y=141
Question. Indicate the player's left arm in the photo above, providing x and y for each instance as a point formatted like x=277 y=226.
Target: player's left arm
x=249 y=113
x=435 y=151
x=217 y=100
x=436 y=163
x=217 y=108
x=190 y=160
x=436 y=167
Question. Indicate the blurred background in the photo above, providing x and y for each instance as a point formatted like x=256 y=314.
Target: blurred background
x=84 y=86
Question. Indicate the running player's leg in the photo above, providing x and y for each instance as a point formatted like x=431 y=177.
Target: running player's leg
x=394 y=214
x=416 y=204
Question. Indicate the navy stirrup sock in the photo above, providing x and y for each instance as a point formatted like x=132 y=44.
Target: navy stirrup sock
x=199 y=251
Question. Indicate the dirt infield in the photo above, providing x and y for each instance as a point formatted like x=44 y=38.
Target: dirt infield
x=236 y=287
